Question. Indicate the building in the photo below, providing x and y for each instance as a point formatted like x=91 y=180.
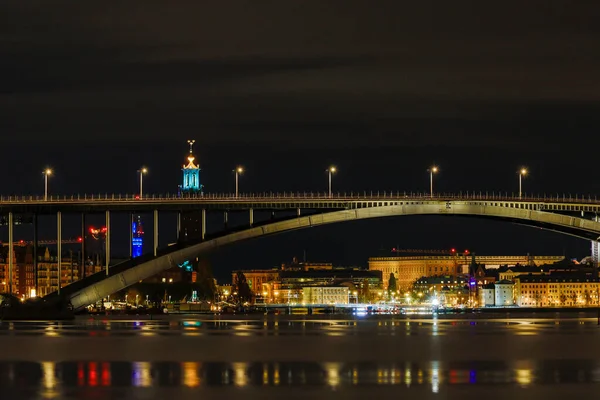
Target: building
x=191 y=222
x=48 y=272
x=325 y=295
x=257 y=279
x=408 y=269
x=509 y=273
x=504 y=293
x=285 y=286
x=446 y=289
x=137 y=237
x=557 y=290
x=487 y=295
x=296 y=265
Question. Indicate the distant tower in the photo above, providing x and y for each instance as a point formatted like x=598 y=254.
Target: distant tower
x=137 y=237
x=191 y=174
x=191 y=221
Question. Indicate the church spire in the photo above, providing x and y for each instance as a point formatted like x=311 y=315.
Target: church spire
x=191 y=143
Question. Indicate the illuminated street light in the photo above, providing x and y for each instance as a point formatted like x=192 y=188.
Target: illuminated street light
x=331 y=170
x=142 y=171
x=522 y=173
x=432 y=170
x=238 y=171
x=47 y=172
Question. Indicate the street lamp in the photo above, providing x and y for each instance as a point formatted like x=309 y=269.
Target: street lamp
x=331 y=170
x=142 y=171
x=432 y=170
x=238 y=171
x=47 y=172
x=522 y=173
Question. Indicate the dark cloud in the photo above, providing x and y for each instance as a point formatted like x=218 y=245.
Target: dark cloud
x=458 y=73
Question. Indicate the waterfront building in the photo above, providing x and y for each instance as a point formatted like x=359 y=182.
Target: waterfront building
x=286 y=285
x=316 y=295
x=446 y=289
x=557 y=290
x=487 y=295
x=407 y=269
x=257 y=278
x=504 y=293
x=24 y=274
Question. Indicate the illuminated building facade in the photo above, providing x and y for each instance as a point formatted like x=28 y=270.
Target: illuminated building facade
x=191 y=222
x=408 y=269
x=137 y=237
x=562 y=290
x=325 y=295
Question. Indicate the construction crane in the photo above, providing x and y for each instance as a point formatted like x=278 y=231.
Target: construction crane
x=451 y=252
x=24 y=243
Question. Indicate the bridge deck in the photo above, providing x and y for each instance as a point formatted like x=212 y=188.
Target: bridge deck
x=283 y=201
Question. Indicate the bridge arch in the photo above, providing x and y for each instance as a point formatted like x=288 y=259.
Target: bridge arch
x=575 y=226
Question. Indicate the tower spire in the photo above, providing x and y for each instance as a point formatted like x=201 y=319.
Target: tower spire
x=191 y=143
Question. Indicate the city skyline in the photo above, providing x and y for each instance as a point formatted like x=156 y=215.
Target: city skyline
x=479 y=92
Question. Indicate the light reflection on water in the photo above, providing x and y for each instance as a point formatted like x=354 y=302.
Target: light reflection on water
x=52 y=378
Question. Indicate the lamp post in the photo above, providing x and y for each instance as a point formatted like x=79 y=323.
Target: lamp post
x=331 y=170
x=46 y=173
x=522 y=173
x=142 y=171
x=238 y=171
x=432 y=170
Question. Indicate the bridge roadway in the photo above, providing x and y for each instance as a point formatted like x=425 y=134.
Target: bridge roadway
x=283 y=201
x=546 y=214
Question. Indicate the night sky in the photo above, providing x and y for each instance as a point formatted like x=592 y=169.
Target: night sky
x=381 y=89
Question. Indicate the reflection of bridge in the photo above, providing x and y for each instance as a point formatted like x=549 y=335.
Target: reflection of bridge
x=575 y=216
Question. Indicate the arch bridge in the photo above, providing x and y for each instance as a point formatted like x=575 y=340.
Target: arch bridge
x=577 y=217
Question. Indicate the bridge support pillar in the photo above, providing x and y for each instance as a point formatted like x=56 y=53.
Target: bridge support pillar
x=272 y=214
x=35 y=255
x=107 y=241
x=155 y=241
x=203 y=222
x=11 y=250
x=251 y=217
x=59 y=247
x=225 y=219
x=179 y=226
x=83 y=260
x=298 y=212
x=595 y=252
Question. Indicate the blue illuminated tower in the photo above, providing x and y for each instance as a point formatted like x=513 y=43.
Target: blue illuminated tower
x=137 y=237
x=191 y=174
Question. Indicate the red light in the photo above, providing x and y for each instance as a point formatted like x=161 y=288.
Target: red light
x=394 y=249
x=466 y=251
x=21 y=241
x=103 y=229
x=92 y=229
x=453 y=250
x=79 y=239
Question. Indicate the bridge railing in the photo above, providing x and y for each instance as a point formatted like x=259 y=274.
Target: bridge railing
x=286 y=196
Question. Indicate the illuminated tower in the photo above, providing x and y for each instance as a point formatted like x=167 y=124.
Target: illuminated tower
x=137 y=237
x=191 y=221
x=191 y=173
